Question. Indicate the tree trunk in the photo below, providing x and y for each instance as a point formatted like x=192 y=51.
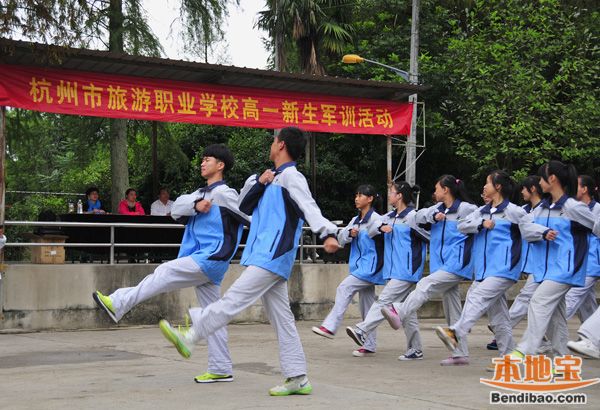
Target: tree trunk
x=118 y=162
x=118 y=128
x=154 y=159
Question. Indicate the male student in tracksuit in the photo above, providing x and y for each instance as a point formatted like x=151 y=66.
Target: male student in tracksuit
x=212 y=234
x=279 y=201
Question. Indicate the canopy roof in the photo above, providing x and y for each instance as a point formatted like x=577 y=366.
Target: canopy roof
x=35 y=54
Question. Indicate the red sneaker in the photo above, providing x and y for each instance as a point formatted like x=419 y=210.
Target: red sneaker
x=390 y=313
x=321 y=331
x=362 y=352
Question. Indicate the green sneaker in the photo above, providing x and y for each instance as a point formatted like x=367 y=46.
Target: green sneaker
x=515 y=354
x=292 y=385
x=105 y=304
x=181 y=338
x=213 y=378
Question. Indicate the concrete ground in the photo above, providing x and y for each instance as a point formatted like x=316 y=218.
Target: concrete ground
x=136 y=368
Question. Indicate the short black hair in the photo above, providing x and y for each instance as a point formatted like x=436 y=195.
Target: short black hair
x=532 y=181
x=129 y=190
x=90 y=190
x=295 y=141
x=163 y=188
x=222 y=153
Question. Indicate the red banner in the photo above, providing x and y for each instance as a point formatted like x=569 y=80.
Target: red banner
x=115 y=96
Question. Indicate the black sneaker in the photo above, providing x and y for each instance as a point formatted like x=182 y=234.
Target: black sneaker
x=411 y=354
x=356 y=335
x=492 y=345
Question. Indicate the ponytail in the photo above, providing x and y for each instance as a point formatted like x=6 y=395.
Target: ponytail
x=565 y=173
x=456 y=186
x=369 y=190
x=588 y=182
x=407 y=191
x=507 y=184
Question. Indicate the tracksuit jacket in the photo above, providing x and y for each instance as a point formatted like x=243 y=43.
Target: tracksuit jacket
x=279 y=210
x=211 y=238
x=563 y=260
x=496 y=251
x=450 y=249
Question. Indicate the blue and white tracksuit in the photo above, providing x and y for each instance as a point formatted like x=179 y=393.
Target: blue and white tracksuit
x=278 y=210
x=558 y=266
x=582 y=300
x=497 y=264
x=518 y=310
x=209 y=242
x=449 y=260
x=366 y=261
x=590 y=329
x=404 y=259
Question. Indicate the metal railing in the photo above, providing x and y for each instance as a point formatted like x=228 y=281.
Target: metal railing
x=112 y=245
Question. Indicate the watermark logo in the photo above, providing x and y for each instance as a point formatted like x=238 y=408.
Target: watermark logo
x=537 y=377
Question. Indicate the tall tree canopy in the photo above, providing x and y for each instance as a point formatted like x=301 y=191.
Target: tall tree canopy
x=512 y=84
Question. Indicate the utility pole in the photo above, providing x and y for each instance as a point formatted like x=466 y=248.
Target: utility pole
x=411 y=143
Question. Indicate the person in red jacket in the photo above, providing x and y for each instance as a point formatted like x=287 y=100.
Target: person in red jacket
x=129 y=206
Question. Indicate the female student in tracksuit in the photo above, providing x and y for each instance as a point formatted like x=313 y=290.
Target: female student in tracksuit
x=404 y=259
x=532 y=195
x=583 y=300
x=497 y=264
x=558 y=230
x=589 y=337
x=449 y=257
x=366 y=261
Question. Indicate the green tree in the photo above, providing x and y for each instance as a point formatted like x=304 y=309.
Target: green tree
x=309 y=28
x=522 y=84
x=121 y=26
x=512 y=83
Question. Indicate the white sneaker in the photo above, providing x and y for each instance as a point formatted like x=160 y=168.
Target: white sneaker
x=585 y=347
x=292 y=385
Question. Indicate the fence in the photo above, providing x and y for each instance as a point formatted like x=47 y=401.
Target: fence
x=312 y=247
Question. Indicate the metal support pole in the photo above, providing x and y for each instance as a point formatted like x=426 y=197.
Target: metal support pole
x=411 y=143
x=2 y=191
x=301 y=247
x=389 y=165
x=112 y=245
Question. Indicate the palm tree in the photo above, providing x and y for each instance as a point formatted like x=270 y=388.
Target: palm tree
x=309 y=27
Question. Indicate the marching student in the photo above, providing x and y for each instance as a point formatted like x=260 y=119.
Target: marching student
x=558 y=230
x=531 y=191
x=497 y=264
x=366 y=261
x=589 y=337
x=213 y=228
x=449 y=258
x=404 y=259
x=279 y=201
x=583 y=300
